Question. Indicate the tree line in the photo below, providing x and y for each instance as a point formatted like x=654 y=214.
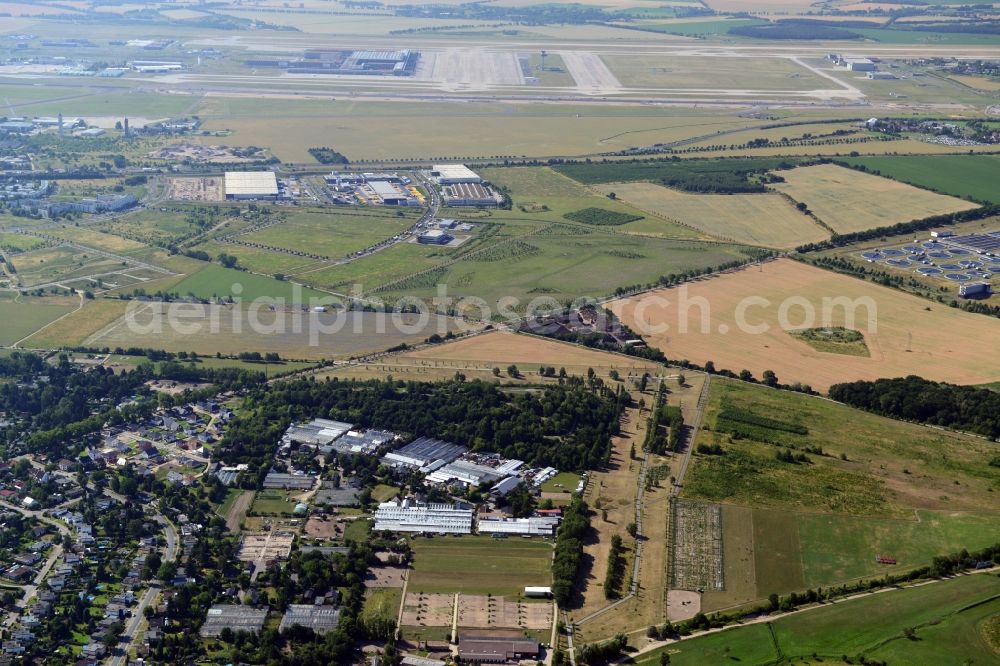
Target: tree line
x=913 y=398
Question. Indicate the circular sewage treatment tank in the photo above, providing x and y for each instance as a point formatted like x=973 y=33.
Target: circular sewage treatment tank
x=893 y=253
x=899 y=263
x=957 y=277
x=928 y=270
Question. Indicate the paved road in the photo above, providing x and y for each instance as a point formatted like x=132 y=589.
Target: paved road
x=130 y=635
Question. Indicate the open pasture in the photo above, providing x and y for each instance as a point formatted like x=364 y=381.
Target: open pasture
x=479 y=565
x=839 y=548
x=214 y=281
x=290 y=128
x=945 y=615
x=19 y=242
x=966 y=176
x=848 y=200
x=541 y=193
x=258 y=260
x=869 y=466
x=902 y=331
x=754 y=219
x=207 y=329
x=151 y=225
x=77 y=326
x=52 y=265
x=527 y=352
x=332 y=232
x=788 y=551
x=95 y=239
x=563 y=262
x=731 y=74
x=23 y=315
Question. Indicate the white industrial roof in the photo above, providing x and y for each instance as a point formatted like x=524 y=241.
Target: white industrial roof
x=252 y=183
x=454 y=171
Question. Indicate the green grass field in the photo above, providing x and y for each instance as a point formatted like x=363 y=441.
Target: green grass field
x=217 y=281
x=382 y=602
x=333 y=232
x=27 y=315
x=269 y=502
x=227 y=503
x=358 y=531
x=479 y=565
x=564 y=262
x=966 y=176
x=59 y=264
x=945 y=617
x=563 y=482
x=19 y=242
x=891 y=467
x=838 y=548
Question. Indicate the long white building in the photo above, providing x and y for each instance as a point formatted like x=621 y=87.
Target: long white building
x=412 y=516
x=534 y=526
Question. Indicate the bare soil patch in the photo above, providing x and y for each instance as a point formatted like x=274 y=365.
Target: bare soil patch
x=428 y=610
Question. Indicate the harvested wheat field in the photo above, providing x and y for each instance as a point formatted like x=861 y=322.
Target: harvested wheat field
x=849 y=200
x=501 y=349
x=755 y=219
x=910 y=335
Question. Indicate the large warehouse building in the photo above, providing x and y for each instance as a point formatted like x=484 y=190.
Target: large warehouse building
x=412 y=516
x=451 y=174
x=249 y=185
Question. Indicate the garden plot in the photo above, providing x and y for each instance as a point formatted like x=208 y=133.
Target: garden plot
x=696 y=536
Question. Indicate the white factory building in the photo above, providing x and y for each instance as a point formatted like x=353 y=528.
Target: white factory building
x=245 y=185
x=409 y=515
x=468 y=473
x=534 y=526
x=453 y=174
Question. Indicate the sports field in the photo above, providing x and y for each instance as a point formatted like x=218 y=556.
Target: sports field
x=479 y=565
x=972 y=176
x=945 y=616
x=755 y=219
x=849 y=200
x=906 y=331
